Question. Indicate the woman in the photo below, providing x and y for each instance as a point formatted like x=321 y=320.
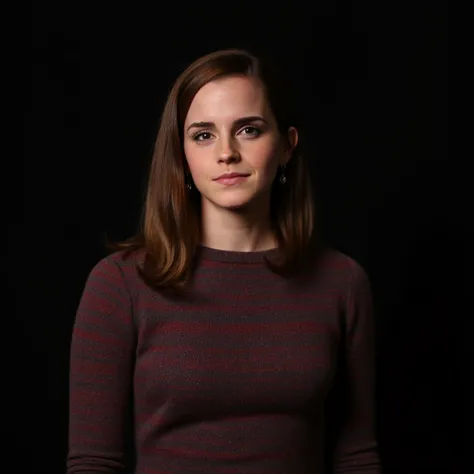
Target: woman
x=222 y=338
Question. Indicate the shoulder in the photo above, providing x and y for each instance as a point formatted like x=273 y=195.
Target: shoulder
x=117 y=268
x=337 y=261
x=106 y=300
x=341 y=271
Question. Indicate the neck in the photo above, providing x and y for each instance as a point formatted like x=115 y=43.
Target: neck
x=237 y=230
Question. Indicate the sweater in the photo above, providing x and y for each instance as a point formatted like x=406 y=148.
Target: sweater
x=249 y=373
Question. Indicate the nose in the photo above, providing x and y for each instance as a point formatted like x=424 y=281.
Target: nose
x=227 y=152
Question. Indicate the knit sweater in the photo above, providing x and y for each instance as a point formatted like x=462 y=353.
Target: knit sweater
x=249 y=373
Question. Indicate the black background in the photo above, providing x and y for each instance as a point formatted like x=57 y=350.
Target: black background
x=373 y=88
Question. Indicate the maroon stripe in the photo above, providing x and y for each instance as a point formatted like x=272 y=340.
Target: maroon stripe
x=239 y=307
x=330 y=293
x=287 y=328
x=249 y=368
x=97 y=368
x=235 y=456
x=336 y=264
x=233 y=351
x=83 y=394
x=84 y=336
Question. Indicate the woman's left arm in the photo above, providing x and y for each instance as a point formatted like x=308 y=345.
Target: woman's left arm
x=355 y=446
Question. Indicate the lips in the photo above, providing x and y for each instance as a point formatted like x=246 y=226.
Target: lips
x=231 y=179
x=232 y=175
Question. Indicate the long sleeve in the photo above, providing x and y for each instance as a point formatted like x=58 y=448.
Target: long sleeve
x=101 y=367
x=352 y=404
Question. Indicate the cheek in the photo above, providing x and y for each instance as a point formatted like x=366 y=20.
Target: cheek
x=196 y=160
x=264 y=158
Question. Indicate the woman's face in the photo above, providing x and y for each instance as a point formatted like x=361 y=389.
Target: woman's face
x=230 y=128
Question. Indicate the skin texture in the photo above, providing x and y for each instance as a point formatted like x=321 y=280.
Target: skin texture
x=219 y=138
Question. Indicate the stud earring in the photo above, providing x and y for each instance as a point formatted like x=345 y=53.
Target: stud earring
x=283 y=178
x=189 y=182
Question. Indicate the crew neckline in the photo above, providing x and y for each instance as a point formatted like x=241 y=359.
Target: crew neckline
x=232 y=256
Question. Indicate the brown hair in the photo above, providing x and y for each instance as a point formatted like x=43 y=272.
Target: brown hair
x=170 y=231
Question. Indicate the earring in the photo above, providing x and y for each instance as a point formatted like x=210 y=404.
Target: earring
x=283 y=179
x=189 y=183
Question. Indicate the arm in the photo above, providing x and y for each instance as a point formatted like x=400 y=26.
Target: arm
x=352 y=403
x=101 y=367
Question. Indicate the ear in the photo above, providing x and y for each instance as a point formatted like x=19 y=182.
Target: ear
x=290 y=144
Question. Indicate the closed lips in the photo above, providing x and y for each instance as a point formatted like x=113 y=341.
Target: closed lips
x=232 y=175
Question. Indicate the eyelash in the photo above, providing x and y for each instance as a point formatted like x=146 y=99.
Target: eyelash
x=256 y=132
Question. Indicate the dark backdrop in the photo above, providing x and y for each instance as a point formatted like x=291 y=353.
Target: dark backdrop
x=373 y=92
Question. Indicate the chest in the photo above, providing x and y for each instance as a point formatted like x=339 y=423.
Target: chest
x=273 y=349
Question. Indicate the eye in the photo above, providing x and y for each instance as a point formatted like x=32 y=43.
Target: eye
x=202 y=136
x=251 y=131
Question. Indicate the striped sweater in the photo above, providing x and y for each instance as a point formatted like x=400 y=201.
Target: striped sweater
x=250 y=373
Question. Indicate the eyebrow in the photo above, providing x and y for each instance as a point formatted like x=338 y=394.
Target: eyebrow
x=237 y=122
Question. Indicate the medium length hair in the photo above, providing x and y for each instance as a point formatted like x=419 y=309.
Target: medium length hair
x=170 y=225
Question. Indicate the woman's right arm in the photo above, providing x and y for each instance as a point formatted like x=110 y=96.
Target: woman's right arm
x=101 y=368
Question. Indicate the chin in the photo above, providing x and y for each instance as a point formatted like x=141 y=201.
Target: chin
x=233 y=203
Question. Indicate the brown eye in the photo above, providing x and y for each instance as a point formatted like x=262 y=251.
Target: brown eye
x=252 y=131
x=202 y=136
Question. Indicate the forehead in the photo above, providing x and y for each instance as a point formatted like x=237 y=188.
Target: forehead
x=228 y=97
